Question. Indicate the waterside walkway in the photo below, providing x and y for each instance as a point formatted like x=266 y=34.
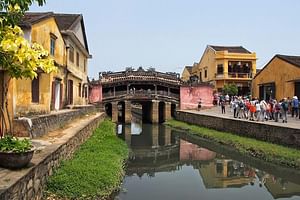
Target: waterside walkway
x=216 y=111
x=52 y=148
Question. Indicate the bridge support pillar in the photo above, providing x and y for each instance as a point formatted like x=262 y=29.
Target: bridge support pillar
x=168 y=133
x=128 y=134
x=114 y=111
x=167 y=111
x=155 y=111
x=128 y=116
x=155 y=132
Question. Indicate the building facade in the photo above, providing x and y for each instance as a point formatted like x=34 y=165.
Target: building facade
x=220 y=65
x=186 y=73
x=73 y=32
x=59 y=34
x=278 y=79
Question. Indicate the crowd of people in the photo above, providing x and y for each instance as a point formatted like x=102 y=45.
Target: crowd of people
x=254 y=109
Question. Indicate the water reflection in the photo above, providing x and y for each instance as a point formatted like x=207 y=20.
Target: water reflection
x=162 y=165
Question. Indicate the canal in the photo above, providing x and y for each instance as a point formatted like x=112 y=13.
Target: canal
x=168 y=164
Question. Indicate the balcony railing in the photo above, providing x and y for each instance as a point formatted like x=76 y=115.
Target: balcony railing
x=234 y=75
x=140 y=93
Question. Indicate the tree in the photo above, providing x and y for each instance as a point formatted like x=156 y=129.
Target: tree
x=18 y=57
x=230 y=89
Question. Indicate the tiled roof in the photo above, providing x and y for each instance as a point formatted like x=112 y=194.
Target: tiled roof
x=189 y=68
x=34 y=17
x=65 y=21
x=294 y=60
x=230 y=49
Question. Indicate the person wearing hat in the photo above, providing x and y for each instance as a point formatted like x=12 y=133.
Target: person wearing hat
x=295 y=106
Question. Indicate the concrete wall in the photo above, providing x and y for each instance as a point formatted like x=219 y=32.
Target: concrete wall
x=41 y=34
x=39 y=125
x=31 y=181
x=190 y=96
x=270 y=133
x=23 y=96
x=95 y=94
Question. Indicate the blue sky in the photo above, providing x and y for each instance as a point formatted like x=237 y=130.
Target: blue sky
x=169 y=34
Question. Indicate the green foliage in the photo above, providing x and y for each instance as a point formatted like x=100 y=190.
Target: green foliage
x=12 y=144
x=96 y=169
x=259 y=149
x=230 y=89
x=19 y=57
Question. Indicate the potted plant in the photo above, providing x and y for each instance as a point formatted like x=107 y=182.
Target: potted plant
x=15 y=153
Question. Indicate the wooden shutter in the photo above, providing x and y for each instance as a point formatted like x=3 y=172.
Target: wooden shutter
x=70 y=91
x=261 y=92
x=61 y=97
x=52 y=96
x=35 y=90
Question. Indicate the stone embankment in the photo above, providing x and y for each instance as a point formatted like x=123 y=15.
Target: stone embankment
x=52 y=148
x=277 y=133
x=37 y=126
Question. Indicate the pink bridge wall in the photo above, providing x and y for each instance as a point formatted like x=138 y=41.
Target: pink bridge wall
x=190 y=96
x=95 y=94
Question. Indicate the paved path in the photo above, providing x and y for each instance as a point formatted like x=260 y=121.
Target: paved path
x=45 y=145
x=216 y=111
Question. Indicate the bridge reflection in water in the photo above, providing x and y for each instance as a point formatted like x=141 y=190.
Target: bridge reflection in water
x=163 y=165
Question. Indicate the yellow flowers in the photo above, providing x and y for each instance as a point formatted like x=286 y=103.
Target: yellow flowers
x=15 y=8
x=18 y=56
x=24 y=55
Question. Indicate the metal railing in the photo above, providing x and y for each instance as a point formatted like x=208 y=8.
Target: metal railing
x=140 y=93
x=233 y=75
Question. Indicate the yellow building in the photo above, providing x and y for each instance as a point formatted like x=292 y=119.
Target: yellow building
x=63 y=35
x=279 y=78
x=220 y=65
x=77 y=53
x=185 y=76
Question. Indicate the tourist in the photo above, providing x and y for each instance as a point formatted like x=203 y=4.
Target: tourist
x=289 y=103
x=257 y=108
x=284 y=109
x=295 y=105
x=223 y=106
x=227 y=99
x=199 y=104
x=252 y=110
x=263 y=109
x=235 y=105
x=277 y=108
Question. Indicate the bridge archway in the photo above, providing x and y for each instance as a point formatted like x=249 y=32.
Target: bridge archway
x=108 y=109
x=146 y=110
x=173 y=110
x=161 y=113
x=121 y=111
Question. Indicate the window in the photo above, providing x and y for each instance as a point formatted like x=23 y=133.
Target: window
x=200 y=77
x=35 y=90
x=85 y=92
x=71 y=54
x=77 y=59
x=205 y=73
x=52 y=45
x=220 y=69
x=79 y=90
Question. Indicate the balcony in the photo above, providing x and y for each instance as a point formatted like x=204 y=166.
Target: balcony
x=231 y=75
x=140 y=94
